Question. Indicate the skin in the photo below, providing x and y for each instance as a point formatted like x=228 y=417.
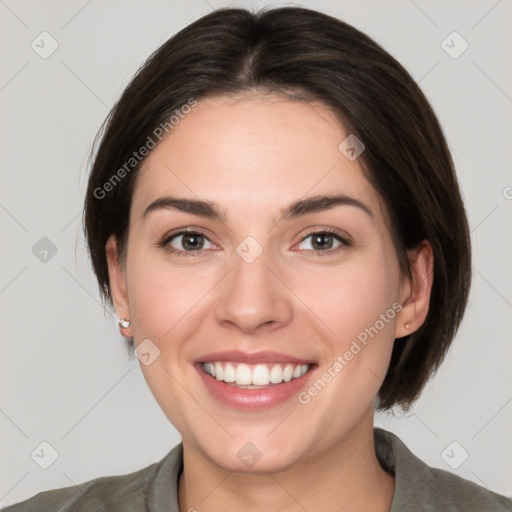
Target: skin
x=253 y=155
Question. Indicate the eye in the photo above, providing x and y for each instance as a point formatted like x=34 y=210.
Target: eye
x=322 y=242
x=191 y=242
x=186 y=241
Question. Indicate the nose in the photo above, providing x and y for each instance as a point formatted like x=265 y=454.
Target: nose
x=253 y=297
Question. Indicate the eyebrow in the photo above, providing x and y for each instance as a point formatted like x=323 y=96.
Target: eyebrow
x=210 y=210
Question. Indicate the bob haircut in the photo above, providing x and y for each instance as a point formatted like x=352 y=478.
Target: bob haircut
x=307 y=56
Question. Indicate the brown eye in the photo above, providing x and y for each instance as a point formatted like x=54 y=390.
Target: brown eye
x=186 y=241
x=323 y=243
x=192 y=241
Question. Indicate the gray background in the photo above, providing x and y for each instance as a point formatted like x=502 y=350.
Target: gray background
x=66 y=378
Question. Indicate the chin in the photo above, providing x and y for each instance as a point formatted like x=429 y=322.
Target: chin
x=260 y=456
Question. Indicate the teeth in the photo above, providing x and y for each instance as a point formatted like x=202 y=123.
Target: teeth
x=209 y=368
x=219 y=371
x=229 y=373
x=260 y=375
x=243 y=375
x=288 y=372
x=254 y=375
x=276 y=374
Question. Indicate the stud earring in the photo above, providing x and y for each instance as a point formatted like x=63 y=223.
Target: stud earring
x=124 y=323
x=407 y=325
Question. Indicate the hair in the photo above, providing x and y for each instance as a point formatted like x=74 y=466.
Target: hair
x=306 y=56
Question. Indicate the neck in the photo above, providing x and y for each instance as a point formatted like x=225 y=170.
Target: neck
x=347 y=476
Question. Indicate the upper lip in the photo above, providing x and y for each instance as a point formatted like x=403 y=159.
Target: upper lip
x=251 y=357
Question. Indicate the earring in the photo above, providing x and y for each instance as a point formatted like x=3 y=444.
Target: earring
x=124 y=323
x=407 y=325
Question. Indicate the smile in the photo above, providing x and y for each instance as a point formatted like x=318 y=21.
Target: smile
x=254 y=376
x=254 y=381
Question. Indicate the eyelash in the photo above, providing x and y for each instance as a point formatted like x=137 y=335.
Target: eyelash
x=330 y=232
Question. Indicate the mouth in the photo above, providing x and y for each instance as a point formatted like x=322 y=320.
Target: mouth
x=254 y=376
x=254 y=381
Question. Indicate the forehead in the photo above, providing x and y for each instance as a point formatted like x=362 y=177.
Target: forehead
x=253 y=154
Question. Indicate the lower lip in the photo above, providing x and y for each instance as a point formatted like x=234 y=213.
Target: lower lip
x=249 y=399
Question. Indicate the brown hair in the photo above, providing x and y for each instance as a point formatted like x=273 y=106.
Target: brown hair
x=308 y=56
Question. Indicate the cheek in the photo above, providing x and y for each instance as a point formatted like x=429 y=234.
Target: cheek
x=163 y=304
x=358 y=305
x=162 y=298
x=350 y=299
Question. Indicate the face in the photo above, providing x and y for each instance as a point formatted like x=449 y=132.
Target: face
x=261 y=292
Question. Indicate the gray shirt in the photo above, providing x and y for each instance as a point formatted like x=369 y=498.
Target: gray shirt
x=418 y=487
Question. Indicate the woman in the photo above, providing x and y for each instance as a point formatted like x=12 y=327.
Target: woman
x=274 y=215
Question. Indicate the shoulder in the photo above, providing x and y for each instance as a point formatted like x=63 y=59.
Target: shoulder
x=449 y=490
x=129 y=492
x=419 y=487
x=116 y=492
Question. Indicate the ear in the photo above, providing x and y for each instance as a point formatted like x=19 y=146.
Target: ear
x=118 y=283
x=415 y=292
